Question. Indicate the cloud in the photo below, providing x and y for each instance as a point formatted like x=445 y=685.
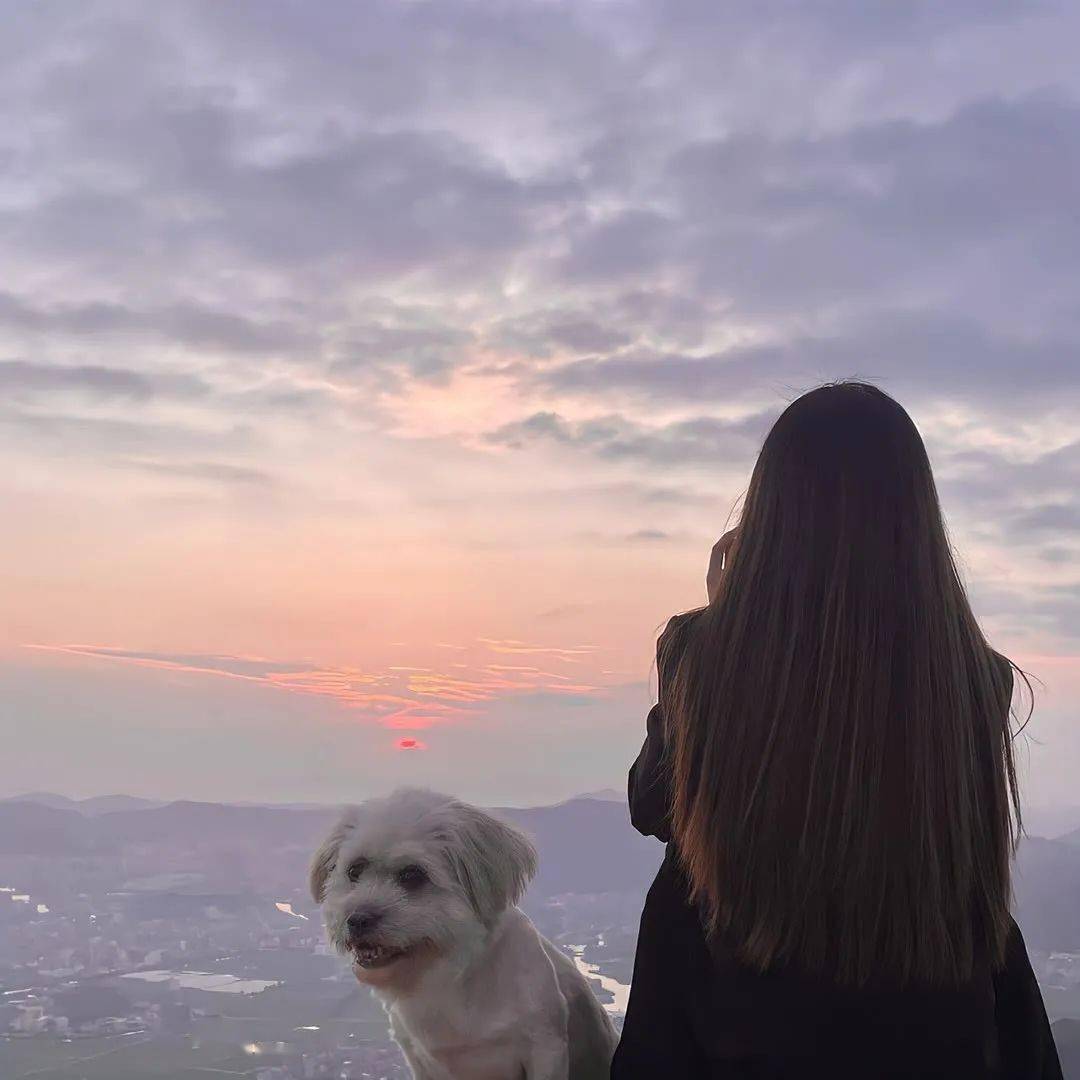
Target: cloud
x=562 y=611
x=698 y=441
x=648 y=536
x=402 y=698
x=922 y=354
x=1050 y=517
x=542 y=333
x=409 y=344
x=211 y=471
x=188 y=323
x=44 y=434
x=886 y=209
x=374 y=202
x=20 y=378
x=569 y=654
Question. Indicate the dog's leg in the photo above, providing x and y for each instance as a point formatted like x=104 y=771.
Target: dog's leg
x=549 y=1059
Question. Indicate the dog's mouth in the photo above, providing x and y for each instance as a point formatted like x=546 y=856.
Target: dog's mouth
x=375 y=956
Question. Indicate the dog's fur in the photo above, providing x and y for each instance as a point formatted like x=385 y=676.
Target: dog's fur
x=473 y=990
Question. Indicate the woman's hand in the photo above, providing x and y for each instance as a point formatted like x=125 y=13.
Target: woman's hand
x=718 y=562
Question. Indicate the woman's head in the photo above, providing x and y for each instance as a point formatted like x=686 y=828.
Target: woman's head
x=844 y=472
x=844 y=777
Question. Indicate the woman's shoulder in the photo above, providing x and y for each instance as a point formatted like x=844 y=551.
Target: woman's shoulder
x=672 y=642
x=678 y=625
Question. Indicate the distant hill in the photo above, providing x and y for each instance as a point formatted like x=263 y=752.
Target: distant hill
x=106 y=804
x=97 y=804
x=1047 y=888
x=607 y=794
x=1053 y=823
x=199 y=824
x=30 y=828
x=586 y=845
x=44 y=798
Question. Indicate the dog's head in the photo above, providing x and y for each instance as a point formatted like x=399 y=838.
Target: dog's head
x=413 y=876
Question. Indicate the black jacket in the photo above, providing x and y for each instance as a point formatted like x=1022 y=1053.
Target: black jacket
x=695 y=1011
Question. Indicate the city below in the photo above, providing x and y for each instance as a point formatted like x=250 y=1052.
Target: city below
x=168 y=941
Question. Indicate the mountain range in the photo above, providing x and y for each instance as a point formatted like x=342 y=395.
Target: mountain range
x=586 y=845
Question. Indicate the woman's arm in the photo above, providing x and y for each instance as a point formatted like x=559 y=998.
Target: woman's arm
x=649 y=784
x=649 y=787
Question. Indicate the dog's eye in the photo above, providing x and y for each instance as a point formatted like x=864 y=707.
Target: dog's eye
x=356 y=869
x=411 y=877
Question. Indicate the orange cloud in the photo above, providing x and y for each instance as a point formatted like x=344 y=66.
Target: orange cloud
x=570 y=655
x=400 y=697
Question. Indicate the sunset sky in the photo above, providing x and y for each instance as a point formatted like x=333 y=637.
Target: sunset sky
x=374 y=378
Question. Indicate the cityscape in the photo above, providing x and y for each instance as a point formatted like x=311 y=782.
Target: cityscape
x=151 y=942
x=175 y=941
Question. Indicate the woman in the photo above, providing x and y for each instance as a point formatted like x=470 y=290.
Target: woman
x=831 y=765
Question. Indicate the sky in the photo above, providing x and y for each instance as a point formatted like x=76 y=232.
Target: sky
x=375 y=378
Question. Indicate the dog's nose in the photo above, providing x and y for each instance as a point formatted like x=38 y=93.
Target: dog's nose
x=362 y=922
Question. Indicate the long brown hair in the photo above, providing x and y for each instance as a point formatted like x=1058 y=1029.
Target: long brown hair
x=845 y=795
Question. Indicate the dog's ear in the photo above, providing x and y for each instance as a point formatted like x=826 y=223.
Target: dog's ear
x=492 y=861
x=324 y=859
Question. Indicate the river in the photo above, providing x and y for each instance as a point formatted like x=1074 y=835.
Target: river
x=620 y=991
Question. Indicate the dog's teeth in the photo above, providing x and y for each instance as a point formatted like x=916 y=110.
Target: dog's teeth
x=374 y=955
x=370 y=954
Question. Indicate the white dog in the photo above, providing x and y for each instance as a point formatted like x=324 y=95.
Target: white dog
x=421 y=890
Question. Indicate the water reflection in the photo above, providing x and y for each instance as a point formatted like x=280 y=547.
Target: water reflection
x=619 y=991
x=205 y=980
